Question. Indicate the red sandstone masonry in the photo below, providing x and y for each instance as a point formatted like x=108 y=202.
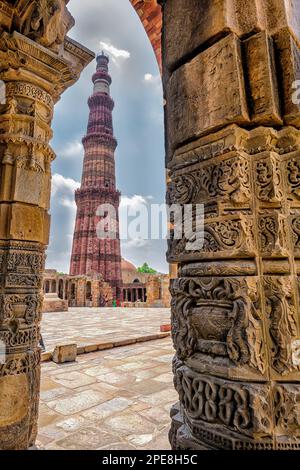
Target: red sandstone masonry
x=98 y=186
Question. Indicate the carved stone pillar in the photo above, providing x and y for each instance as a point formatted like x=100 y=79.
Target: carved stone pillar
x=36 y=67
x=234 y=146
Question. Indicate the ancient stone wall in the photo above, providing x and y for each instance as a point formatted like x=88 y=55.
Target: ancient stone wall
x=75 y=291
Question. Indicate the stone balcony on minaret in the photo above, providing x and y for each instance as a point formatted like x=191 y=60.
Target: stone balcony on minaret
x=90 y=254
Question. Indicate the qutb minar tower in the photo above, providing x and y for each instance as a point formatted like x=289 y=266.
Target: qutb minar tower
x=91 y=255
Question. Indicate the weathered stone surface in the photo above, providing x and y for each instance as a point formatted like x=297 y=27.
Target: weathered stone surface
x=29 y=223
x=12 y=409
x=207 y=147
x=64 y=353
x=281 y=14
x=32 y=188
x=79 y=402
x=288 y=55
x=206 y=93
x=190 y=24
x=260 y=63
x=74 y=380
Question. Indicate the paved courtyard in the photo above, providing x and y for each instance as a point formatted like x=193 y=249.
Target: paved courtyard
x=86 y=326
x=114 y=400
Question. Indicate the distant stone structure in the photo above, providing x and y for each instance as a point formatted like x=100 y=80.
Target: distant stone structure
x=75 y=291
x=62 y=291
x=150 y=289
x=93 y=254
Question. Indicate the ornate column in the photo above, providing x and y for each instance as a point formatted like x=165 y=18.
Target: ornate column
x=233 y=144
x=37 y=63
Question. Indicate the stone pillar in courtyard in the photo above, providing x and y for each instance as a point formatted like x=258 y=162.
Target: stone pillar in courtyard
x=37 y=63
x=233 y=144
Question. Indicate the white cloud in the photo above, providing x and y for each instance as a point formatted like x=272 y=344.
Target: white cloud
x=154 y=82
x=155 y=79
x=63 y=210
x=71 y=150
x=148 y=77
x=63 y=190
x=60 y=184
x=115 y=52
x=68 y=203
x=133 y=202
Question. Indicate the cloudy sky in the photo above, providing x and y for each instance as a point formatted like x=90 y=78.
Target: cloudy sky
x=111 y=25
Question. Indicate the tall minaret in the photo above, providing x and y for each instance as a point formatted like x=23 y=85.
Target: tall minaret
x=91 y=255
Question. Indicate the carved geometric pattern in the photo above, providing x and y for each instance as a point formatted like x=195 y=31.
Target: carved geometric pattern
x=244 y=408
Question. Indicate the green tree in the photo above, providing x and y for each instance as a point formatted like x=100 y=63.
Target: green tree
x=145 y=269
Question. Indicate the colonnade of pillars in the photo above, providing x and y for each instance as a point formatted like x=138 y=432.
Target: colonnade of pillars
x=61 y=288
x=135 y=294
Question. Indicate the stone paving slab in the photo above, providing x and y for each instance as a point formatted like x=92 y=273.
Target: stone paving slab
x=86 y=349
x=89 y=326
x=113 y=400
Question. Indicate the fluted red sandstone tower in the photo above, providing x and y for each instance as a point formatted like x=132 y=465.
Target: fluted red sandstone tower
x=91 y=255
